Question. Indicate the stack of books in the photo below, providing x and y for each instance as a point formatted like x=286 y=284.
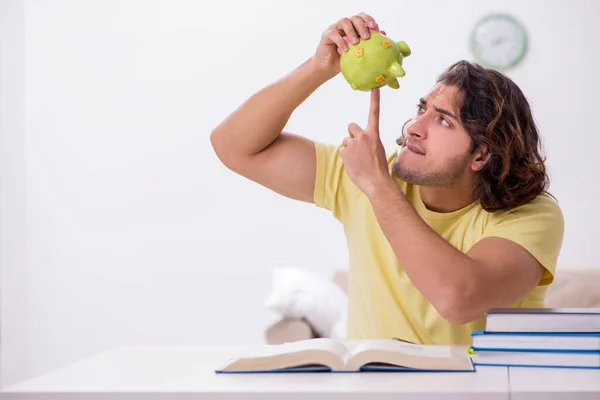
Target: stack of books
x=544 y=337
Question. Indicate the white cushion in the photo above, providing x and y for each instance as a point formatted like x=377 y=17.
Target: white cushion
x=575 y=288
x=298 y=293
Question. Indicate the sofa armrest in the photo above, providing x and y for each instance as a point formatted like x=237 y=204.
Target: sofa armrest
x=575 y=288
x=288 y=330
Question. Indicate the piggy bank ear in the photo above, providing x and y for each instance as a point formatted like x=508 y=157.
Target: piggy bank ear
x=404 y=49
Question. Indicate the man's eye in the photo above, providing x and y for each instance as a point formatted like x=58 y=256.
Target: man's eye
x=445 y=122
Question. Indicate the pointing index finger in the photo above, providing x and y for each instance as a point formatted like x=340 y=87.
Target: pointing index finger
x=373 y=123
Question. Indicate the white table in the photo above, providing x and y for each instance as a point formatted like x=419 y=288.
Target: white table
x=174 y=373
x=549 y=383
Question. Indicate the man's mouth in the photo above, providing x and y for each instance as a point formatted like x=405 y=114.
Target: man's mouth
x=414 y=149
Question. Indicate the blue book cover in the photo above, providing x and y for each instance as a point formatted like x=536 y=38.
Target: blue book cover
x=535 y=366
x=530 y=350
x=549 y=358
x=558 y=311
x=536 y=342
x=364 y=368
x=539 y=334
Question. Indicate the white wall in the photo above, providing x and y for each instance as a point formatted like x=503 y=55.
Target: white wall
x=118 y=223
x=13 y=282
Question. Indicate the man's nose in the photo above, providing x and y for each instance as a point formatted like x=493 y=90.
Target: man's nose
x=417 y=129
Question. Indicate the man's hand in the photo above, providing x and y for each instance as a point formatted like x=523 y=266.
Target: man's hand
x=363 y=153
x=336 y=38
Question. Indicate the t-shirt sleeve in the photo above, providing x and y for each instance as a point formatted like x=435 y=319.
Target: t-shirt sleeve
x=538 y=226
x=334 y=191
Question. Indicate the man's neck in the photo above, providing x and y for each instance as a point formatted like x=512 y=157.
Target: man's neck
x=445 y=200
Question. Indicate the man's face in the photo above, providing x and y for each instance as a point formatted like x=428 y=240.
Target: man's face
x=436 y=150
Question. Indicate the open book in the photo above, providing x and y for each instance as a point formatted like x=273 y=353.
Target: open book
x=314 y=355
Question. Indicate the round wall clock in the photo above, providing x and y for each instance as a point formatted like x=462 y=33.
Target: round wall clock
x=498 y=41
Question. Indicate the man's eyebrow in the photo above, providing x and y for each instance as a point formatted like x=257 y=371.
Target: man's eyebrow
x=440 y=110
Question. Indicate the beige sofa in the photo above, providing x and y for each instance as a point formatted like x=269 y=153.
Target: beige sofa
x=572 y=287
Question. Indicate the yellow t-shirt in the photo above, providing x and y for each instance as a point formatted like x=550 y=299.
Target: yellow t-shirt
x=382 y=301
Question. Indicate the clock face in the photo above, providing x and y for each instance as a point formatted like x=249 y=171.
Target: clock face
x=499 y=41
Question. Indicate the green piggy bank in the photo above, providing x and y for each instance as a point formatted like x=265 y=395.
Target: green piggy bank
x=374 y=62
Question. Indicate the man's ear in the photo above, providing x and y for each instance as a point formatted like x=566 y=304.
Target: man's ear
x=481 y=156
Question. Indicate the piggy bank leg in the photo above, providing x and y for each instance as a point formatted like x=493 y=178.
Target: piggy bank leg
x=394 y=84
x=397 y=69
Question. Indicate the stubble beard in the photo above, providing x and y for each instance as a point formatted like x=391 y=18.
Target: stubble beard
x=447 y=177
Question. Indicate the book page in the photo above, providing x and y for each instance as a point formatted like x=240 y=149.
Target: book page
x=439 y=351
x=292 y=347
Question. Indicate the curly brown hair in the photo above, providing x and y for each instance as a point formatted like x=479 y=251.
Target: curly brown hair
x=496 y=114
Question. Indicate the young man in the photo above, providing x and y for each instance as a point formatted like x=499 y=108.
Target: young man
x=455 y=223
